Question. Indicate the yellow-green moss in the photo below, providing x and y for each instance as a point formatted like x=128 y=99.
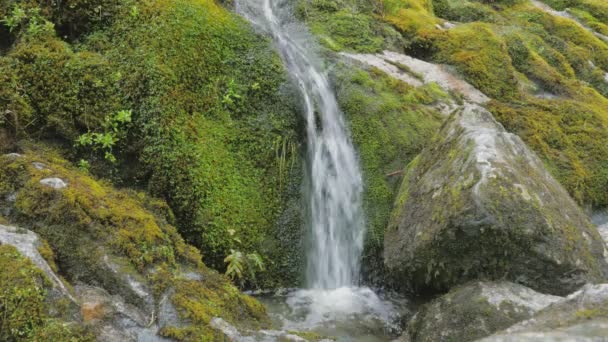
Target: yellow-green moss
x=89 y=219
x=23 y=303
x=198 y=302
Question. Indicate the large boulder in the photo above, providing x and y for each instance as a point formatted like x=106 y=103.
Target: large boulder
x=475 y=310
x=477 y=203
x=582 y=316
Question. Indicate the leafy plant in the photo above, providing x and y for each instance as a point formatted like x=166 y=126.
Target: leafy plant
x=114 y=130
x=240 y=265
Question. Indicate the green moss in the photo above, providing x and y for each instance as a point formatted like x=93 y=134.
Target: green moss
x=479 y=53
x=23 y=303
x=198 y=302
x=568 y=135
x=89 y=222
x=213 y=130
x=349 y=25
x=390 y=124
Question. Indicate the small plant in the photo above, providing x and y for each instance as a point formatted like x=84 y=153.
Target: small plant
x=240 y=265
x=232 y=94
x=28 y=19
x=113 y=131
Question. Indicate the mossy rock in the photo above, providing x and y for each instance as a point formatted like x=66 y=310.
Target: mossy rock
x=120 y=241
x=477 y=203
x=390 y=123
x=582 y=316
x=27 y=310
x=475 y=310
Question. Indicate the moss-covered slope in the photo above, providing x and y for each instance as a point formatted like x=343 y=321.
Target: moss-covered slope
x=113 y=239
x=213 y=125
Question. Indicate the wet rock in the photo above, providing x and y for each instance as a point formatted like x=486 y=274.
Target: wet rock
x=417 y=72
x=582 y=316
x=477 y=203
x=55 y=183
x=475 y=310
x=231 y=333
x=27 y=243
x=113 y=319
x=167 y=313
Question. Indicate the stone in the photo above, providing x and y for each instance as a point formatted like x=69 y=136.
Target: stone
x=478 y=204
x=582 y=316
x=27 y=243
x=475 y=310
x=39 y=166
x=55 y=183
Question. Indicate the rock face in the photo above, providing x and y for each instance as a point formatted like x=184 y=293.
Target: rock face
x=475 y=310
x=478 y=203
x=582 y=316
x=417 y=72
x=27 y=243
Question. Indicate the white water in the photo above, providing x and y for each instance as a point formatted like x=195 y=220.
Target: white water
x=334 y=188
x=334 y=195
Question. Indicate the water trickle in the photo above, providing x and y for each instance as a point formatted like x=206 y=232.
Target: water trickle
x=335 y=188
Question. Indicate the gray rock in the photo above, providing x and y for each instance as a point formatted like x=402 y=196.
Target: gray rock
x=232 y=334
x=478 y=204
x=582 y=316
x=600 y=219
x=39 y=166
x=55 y=183
x=27 y=243
x=113 y=319
x=14 y=155
x=475 y=310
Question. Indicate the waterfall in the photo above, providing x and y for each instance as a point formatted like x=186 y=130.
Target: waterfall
x=335 y=185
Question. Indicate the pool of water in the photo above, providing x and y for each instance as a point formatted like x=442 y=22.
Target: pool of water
x=347 y=313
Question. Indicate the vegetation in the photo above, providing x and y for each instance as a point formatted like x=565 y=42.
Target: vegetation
x=24 y=305
x=204 y=123
x=390 y=123
x=89 y=222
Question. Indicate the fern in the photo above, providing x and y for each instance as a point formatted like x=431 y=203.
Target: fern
x=236 y=264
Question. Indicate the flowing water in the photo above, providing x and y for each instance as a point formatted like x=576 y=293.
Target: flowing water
x=334 y=191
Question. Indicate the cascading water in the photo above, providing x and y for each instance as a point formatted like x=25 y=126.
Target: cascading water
x=335 y=184
x=335 y=178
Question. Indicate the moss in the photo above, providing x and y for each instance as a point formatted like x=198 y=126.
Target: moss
x=60 y=91
x=568 y=135
x=47 y=253
x=479 y=53
x=409 y=16
x=213 y=130
x=198 y=302
x=389 y=123
x=24 y=305
x=463 y=11
x=349 y=25
x=178 y=65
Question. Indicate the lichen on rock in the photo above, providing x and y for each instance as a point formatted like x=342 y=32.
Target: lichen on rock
x=478 y=203
x=475 y=310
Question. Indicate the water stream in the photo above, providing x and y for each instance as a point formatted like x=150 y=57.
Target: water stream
x=334 y=193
